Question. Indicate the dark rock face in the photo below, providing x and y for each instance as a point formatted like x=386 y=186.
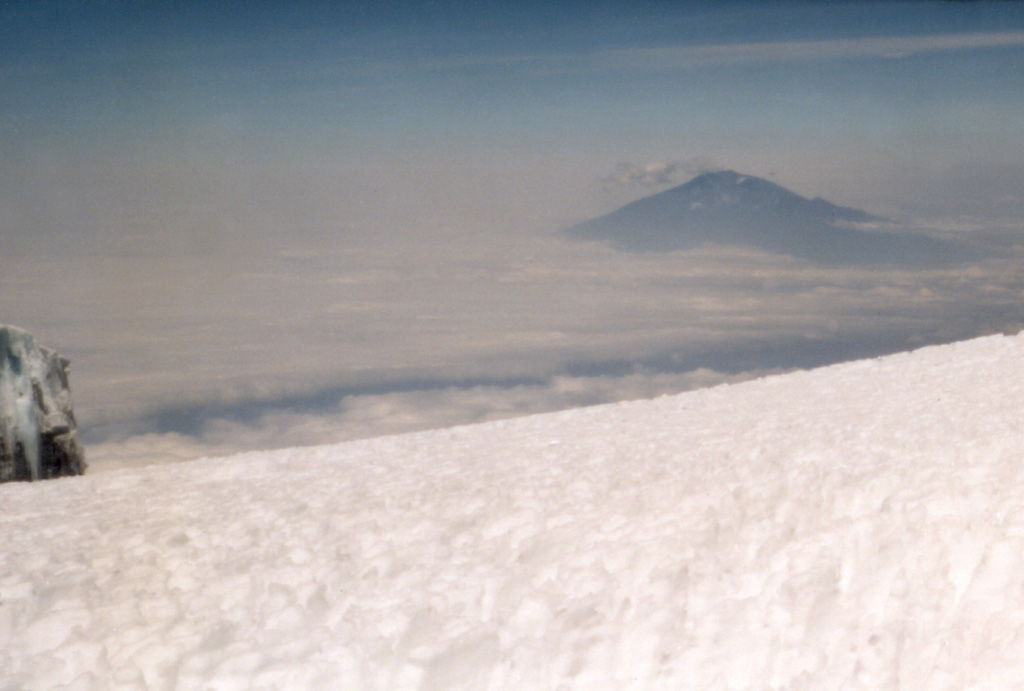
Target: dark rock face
x=729 y=209
x=38 y=433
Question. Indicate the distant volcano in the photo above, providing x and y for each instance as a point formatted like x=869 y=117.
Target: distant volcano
x=730 y=209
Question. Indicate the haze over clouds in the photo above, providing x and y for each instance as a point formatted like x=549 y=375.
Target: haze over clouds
x=305 y=224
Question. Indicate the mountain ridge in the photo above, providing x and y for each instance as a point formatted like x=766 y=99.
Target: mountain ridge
x=730 y=187
x=727 y=208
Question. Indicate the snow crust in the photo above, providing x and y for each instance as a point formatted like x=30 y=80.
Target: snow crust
x=855 y=527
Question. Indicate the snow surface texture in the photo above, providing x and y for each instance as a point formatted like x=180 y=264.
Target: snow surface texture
x=855 y=527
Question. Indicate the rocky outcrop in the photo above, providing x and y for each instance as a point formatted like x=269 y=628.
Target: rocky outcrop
x=38 y=433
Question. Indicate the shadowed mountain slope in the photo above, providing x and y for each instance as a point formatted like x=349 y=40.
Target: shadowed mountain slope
x=730 y=209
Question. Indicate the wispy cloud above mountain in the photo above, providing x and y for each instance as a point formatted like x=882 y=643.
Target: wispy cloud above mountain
x=885 y=47
x=656 y=174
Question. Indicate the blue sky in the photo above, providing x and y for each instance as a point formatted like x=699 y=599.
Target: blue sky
x=807 y=91
x=816 y=81
x=210 y=205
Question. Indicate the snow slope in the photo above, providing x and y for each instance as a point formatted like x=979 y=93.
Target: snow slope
x=855 y=527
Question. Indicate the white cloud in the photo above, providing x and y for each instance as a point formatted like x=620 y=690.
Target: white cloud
x=671 y=57
x=372 y=415
x=609 y=328
x=893 y=47
x=656 y=174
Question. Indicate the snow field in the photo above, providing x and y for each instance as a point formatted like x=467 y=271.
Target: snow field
x=855 y=527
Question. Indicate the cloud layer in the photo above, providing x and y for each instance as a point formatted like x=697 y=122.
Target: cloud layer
x=213 y=355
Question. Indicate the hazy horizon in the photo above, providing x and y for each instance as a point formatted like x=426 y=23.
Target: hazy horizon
x=278 y=225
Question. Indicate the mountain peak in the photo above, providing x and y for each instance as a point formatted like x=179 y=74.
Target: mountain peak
x=724 y=175
x=728 y=177
x=729 y=188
